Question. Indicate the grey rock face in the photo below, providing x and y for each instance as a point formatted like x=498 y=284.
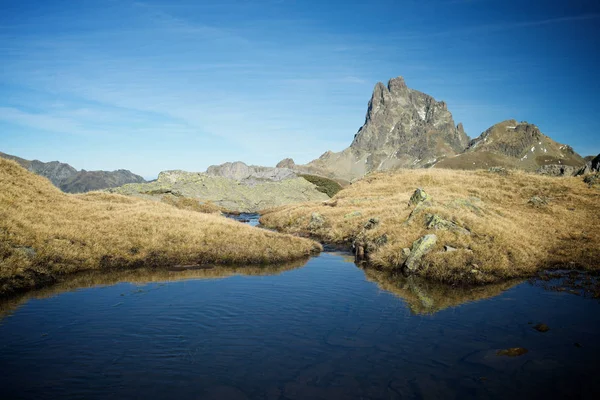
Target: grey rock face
x=557 y=170
x=250 y=174
x=596 y=164
x=403 y=128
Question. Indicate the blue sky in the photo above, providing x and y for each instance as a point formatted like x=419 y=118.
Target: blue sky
x=155 y=85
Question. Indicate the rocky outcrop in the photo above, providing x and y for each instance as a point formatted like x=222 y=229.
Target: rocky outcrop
x=419 y=249
x=592 y=165
x=69 y=180
x=250 y=174
x=246 y=195
x=510 y=144
x=403 y=128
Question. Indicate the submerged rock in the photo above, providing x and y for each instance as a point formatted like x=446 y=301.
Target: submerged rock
x=541 y=328
x=512 y=352
x=419 y=249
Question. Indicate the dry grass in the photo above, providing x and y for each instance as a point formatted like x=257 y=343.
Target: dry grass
x=187 y=203
x=45 y=233
x=510 y=238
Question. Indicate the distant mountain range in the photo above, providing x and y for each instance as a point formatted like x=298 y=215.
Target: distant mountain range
x=405 y=128
x=70 y=180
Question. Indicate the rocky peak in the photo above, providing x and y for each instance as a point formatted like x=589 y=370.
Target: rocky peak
x=249 y=174
x=402 y=121
x=286 y=163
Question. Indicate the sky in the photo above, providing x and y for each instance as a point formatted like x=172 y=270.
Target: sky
x=155 y=85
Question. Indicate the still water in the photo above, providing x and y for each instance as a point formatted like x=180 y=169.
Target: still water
x=321 y=329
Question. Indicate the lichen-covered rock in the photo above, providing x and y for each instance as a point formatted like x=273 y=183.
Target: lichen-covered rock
x=419 y=196
x=418 y=210
x=316 y=221
x=353 y=214
x=537 y=201
x=420 y=248
x=436 y=222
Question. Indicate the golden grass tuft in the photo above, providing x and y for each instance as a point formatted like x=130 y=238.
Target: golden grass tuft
x=45 y=233
x=510 y=237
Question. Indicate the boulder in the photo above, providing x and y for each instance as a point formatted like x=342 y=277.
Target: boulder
x=316 y=221
x=557 y=170
x=436 y=222
x=419 y=196
x=420 y=248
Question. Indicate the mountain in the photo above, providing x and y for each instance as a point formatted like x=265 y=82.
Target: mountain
x=403 y=128
x=69 y=180
x=86 y=181
x=511 y=144
x=55 y=171
x=250 y=174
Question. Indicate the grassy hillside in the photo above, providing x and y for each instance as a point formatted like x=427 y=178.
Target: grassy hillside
x=324 y=185
x=45 y=233
x=501 y=225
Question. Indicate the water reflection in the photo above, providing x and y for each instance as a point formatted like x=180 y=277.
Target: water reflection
x=142 y=276
x=424 y=297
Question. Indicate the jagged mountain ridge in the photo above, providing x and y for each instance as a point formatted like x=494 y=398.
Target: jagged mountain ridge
x=513 y=144
x=403 y=128
x=70 y=180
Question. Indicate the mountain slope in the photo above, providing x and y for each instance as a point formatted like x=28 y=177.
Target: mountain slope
x=511 y=144
x=69 y=180
x=403 y=128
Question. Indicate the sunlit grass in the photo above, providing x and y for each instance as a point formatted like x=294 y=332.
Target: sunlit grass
x=44 y=232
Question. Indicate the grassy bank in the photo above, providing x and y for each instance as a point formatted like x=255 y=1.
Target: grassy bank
x=45 y=233
x=499 y=226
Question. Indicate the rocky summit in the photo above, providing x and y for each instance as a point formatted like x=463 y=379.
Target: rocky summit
x=250 y=174
x=69 y=180
x=403 y=128
x=520 y=145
